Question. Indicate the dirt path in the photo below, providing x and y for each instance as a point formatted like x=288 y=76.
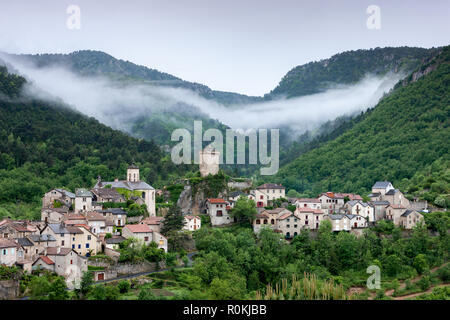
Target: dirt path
x=412 y=295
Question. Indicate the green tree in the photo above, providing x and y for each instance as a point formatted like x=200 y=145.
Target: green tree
x=58 y=290
x=244 y=209
x=420 y=263
x=124 y=286
x=87 y=280
x=173 y=221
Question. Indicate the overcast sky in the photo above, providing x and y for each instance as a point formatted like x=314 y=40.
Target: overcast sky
x=243 y=46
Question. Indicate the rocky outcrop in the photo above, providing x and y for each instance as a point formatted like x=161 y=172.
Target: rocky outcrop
x=9 y=289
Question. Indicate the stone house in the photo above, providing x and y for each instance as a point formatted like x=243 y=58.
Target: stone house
x=331 y=202
x=63 y=196
x=379 y=189
x=103 y=195
x=379 y=209
x=358 y=207
x=117 y=215
x=54 y=215
x=217 y=209
x=308 y=203
x=64 y=262
x=309 y=218
x=410 y=218
x=155 y=223
x=357 y=221
x=192 y=223
x=339 y=222
x=260 y=198
x=83 y=200
x=113 y=242
x=64 y=234
x=272 y=190
x=234 y=196
x=85 y=243
x=41 y=242
x=134 y=185
x=263 y=220
x=289 y=224
x=99 y=224
x=395 y=196
x=146 y=235
x=8 y=252
x=393 y=212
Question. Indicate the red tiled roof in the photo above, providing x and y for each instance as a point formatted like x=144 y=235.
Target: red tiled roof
x=152 y=220
x=217 y=201
x=53 y=251
x=285 y=215
x=95 y=216
x=46 y=260
x=191 y=217
x=306 y=209
x=138 y=228
x=75 y=217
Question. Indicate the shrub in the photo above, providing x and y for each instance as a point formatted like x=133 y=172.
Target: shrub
x=124 y=286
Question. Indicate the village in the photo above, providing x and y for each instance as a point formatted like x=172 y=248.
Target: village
x=85 y=223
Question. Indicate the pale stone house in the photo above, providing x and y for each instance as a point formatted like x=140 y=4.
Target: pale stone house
x=357 y=221
x=393 y=212
x=192 y=223
x=83 y=200
x=380 y=209
x=85 y=243
x=331 y=202
x=234 y=196
x=209 y=161
x=272 y=190
x=217 y=209
x=262 y=220
x=63 y=234
x=8 y=251
x=260 y=198
x=143 y=233
x=54 y=215
x=289 y=224
x=308 y=203
x=155 y=223
x=64 y=262
x=42 y=241
x=309 y=218
x=15 y=229
x=113 y=242
x=358 y=207
x=136 y=186
x=117 y=215
x=395 y=196
x=410 y=218
x=339 y=222
x=380 y=188
x=99 y=224
x=107 y=194
x=63 y=196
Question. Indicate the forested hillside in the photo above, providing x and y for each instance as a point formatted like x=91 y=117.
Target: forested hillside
x=404 y=139
x=43 y=146
x=347 y=68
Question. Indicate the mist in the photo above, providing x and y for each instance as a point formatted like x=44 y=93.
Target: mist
x=117 y=104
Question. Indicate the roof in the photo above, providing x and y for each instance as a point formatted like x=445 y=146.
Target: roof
x=133 y=166
x=129 y=185
x=66 y=193
x=7 y=243
x=45 y=259
x=95 y=216
x=235 y=194
x=217 y=201
x=337 y=216
x=189 y=217
x=333 y=195
x=380 y=203
x=41 y=237
x=107 y=193
x=152 y=220
x=270 y=186
x=397 y=206
x=285 y=215
x=408 y=212
x=53 y=251
x=306 y=209
x=61 y=229
x=381 y=185
x=391 y=192
x=355 y=202
x=75 y=217
x=274 y=211
x=25 y=242
x=115 y=211
x=308 y=200
x=83 y=193
x=115 y=240
x=138 y=228
x=374 y=194
x=261 y=215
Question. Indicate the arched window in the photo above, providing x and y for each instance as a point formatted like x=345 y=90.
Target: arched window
x=265 y=221
x=272 y=221
x=257 y=221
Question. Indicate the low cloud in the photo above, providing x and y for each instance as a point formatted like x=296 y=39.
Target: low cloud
x=117 y=104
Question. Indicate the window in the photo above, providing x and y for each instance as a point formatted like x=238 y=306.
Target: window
x=73 y=246
x=5 y=252
x=265 y=221
x=71 y=261
x=62 y=243
x=89 y=237
x=287 y=220
x=79 y=246
x=272 y=221
x=145 y=238
x=295 y=226
x=257 y=221
x=73 y=239
x=219 y=213
x=87 y=245
x=261 y=197
x=161 y=242
x=306 y=221
x=288 y=226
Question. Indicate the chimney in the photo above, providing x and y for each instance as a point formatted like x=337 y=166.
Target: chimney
x=58 y=250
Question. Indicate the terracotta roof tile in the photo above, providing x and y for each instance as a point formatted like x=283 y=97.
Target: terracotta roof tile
x=138 y=228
